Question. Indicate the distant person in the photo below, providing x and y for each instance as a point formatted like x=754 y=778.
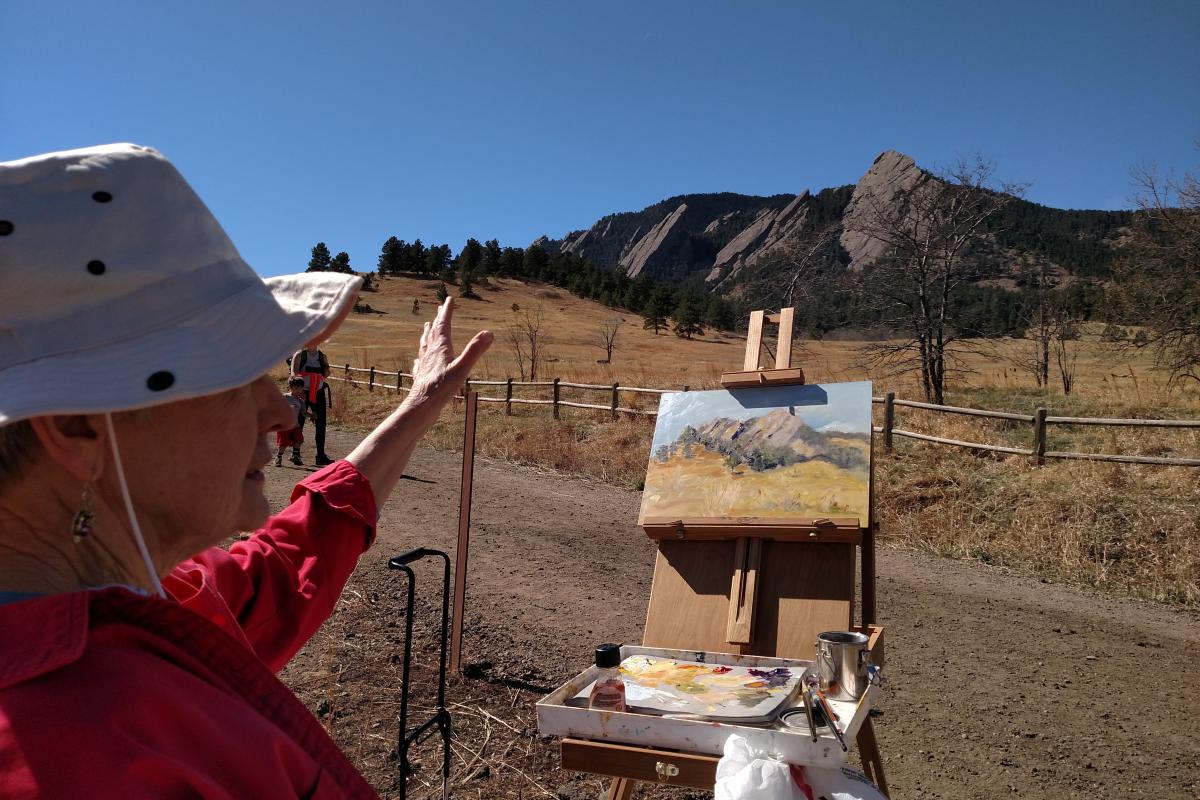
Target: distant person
x=295 y=437
x=312 y=365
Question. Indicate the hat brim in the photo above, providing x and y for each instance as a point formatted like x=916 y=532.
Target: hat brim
x=222 y=347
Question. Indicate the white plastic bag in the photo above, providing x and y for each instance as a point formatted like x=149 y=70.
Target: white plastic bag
x=840 y=783
x=746 y=773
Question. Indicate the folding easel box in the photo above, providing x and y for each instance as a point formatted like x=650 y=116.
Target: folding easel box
x=747 y=587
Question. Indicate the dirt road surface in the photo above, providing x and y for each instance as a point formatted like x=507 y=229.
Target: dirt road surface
x=999 y=685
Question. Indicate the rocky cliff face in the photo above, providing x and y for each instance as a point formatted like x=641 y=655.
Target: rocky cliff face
x=890 y=175
x=727 y=241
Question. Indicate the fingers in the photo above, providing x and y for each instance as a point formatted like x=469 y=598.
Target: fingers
x=441 y=323
x=423 y=344
x=460 y=368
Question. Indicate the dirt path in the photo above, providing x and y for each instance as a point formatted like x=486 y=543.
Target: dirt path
x=1061 y=692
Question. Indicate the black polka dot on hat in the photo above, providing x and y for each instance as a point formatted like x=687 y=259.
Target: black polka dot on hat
x=96 y=267
x=102 y=197
x=160 y=381
x=6 y=227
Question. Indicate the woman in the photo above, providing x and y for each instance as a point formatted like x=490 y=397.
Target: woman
x=137 y=659
x=311 y=365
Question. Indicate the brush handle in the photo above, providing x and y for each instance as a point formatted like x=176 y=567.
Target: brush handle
x=832 y=717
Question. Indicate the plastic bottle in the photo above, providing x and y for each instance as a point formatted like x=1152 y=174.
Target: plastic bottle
x=608 y=694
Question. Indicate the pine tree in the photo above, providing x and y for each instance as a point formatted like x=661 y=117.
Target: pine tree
x=341 y=263
x=466 y=285
x=468 y=262
x=687 y=317
x=437 y=262
x=320 y=261
x=535 y=263
x=414 y=257
x=657 y=309
x=719 y=313
x=491 y=257
x=390 y=256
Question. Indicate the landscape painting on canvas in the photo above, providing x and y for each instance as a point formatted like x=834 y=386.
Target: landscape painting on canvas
x=790 y=451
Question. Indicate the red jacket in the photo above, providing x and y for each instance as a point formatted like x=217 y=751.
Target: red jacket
x=107 y=693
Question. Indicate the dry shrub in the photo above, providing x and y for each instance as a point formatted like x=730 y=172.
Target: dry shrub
x=1119 y=527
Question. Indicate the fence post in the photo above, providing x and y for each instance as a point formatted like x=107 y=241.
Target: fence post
x=508 y=398
x=685 y=387
x=556 y=394
x=615 y=390
x=889 y=419
x=399 y=381
x=347 y=373
x=371 y=381
x=1039 y=437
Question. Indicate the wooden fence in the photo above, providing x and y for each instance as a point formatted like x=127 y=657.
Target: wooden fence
x=1039 y=420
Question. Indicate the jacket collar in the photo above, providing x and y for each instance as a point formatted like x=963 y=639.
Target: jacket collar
x=42 y=634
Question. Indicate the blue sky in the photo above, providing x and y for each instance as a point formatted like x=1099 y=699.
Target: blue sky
x=842 y=407
x=355 y=121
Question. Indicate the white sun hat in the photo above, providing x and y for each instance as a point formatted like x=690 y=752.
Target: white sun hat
x=119 y=290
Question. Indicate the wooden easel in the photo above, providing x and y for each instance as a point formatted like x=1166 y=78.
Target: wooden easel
x=761 y=587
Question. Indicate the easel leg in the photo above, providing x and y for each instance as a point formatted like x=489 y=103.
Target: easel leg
x=620 y=789
x=868 y=750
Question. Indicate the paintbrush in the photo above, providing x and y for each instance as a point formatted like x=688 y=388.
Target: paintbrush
x=808 y=712
x=828 y=711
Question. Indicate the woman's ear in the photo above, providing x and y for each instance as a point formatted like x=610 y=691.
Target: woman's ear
x=76 y=442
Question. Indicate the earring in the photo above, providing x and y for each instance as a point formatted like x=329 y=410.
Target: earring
x=81 y=527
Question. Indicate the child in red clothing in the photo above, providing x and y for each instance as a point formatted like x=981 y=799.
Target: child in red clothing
x=294 y=437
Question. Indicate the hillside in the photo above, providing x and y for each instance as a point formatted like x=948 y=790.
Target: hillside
x=388 y=340
x=726 y=241
x=570 y=324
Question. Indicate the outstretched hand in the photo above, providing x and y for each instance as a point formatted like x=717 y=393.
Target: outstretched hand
x=437 y=374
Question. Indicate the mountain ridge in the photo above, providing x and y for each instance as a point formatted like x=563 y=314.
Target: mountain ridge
x=724 y=241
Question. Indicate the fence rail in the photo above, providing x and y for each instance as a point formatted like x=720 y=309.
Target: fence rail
x=1040 y=420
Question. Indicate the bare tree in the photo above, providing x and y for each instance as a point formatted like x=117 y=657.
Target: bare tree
x=1160 y=275
x=931 y=234
x=790 y=267
x=606 y=337
x=1066 y=351
x=527 y=341
x=1038 y=316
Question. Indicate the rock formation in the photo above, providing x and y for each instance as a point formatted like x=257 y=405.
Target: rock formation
x=655 y=242
x=891 y=174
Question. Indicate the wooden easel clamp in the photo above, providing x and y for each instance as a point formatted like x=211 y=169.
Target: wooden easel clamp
x=752 y=374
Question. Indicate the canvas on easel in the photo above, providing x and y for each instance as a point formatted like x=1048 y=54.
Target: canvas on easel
x=788 y=454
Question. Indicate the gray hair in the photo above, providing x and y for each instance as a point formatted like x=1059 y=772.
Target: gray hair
x=18 y=443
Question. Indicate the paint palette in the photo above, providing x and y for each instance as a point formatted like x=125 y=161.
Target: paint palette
x=679 y=700
x=717 y=692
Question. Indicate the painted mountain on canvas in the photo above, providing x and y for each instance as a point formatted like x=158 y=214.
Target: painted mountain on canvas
x=716 y=459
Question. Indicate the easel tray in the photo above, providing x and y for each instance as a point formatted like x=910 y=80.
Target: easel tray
x=561 y=714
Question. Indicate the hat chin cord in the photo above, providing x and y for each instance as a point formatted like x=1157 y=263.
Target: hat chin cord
x=133 y=522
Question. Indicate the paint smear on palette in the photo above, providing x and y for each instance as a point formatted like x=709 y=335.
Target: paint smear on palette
x=713 y=691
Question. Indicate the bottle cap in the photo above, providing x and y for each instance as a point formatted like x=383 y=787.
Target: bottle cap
x=608 y=655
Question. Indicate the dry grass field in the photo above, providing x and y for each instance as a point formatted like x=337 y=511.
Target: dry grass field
x=1123 y=528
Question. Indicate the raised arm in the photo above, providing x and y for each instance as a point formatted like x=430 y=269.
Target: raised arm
x=437 y=377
